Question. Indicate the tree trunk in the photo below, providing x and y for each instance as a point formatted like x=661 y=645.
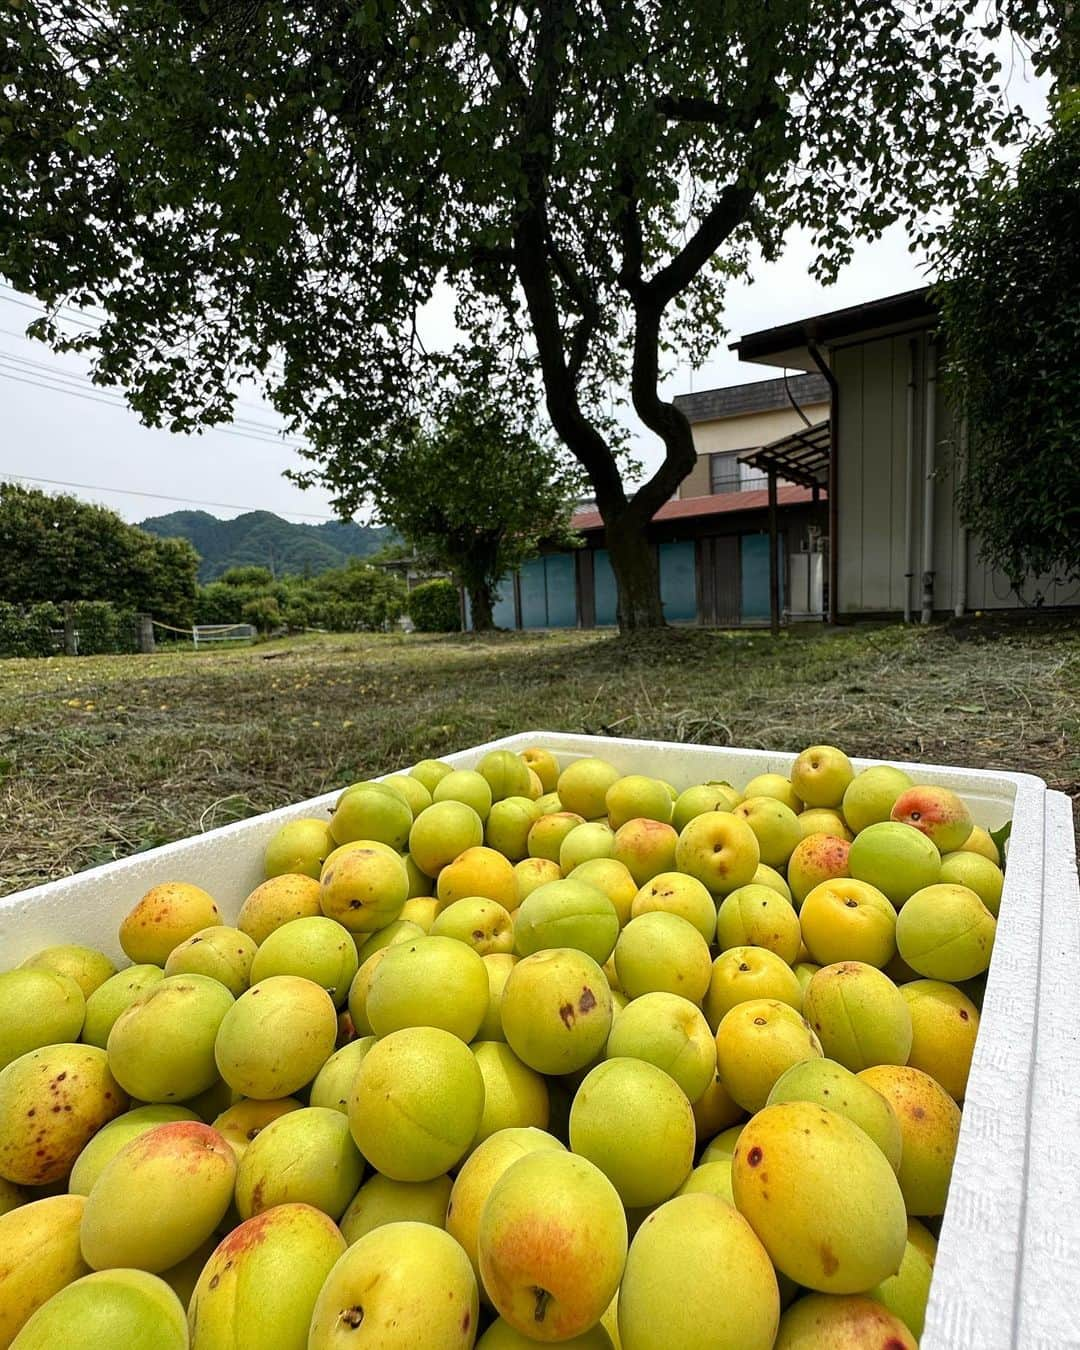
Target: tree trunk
x=636 y=573
x=481 y=603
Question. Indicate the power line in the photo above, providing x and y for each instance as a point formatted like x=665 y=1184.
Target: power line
x=80 y=377
x=157 y=496
x=44 y=383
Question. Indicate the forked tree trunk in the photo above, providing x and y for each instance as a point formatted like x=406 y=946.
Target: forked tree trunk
x=636 y=573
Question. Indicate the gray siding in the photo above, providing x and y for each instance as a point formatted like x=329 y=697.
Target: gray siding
x=872 y=378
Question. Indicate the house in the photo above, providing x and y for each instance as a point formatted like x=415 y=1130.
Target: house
x=727 y=423
x=848 y=460
x=711 y=539
x=892 y=459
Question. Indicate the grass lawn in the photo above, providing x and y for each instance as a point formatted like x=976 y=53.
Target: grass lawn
x=103 y=756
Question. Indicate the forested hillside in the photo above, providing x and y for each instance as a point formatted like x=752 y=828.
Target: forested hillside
x=262 y=539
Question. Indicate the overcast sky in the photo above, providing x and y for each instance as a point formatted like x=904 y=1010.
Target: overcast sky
x=58 y=427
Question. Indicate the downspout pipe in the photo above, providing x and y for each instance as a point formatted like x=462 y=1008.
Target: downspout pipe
x=960 y=598
x=834 y=463
x=909 y=485
x=930 y=468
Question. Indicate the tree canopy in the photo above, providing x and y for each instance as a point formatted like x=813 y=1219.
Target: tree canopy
x=1011 y=318
x=55 y=548
x=282 y=189
x=474 y=492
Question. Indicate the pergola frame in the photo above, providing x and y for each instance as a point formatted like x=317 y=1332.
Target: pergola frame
x=801 y=457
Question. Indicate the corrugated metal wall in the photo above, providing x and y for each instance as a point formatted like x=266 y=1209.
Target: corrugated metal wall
x=873 y=462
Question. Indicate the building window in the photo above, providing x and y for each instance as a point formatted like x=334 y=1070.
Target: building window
x=728 y=474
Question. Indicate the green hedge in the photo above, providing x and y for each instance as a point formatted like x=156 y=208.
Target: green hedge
x=37 y=630
x=435 y=607
x=27 y=631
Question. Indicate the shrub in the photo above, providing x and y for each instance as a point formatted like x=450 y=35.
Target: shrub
x=28 y=632
x=104 y=629
x=435 y=607
x=37 y=630
x=262 y=612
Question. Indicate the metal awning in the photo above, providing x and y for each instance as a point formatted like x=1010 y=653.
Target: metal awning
x=799 y=457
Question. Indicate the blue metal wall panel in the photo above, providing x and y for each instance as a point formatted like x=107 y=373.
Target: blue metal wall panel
x=561 y=590
x=678 y=582
x=503 y=610
x=533 y=594
x=604 y=588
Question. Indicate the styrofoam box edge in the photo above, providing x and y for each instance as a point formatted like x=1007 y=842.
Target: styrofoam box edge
x=988 y=1227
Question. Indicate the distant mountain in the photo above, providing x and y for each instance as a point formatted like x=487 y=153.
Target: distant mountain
x=263 y=539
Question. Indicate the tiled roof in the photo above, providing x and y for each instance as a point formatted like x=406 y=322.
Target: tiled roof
x=760 y=396
x=690 y=508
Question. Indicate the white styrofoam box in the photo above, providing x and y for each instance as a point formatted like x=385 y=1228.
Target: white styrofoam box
x=1007 y=1263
